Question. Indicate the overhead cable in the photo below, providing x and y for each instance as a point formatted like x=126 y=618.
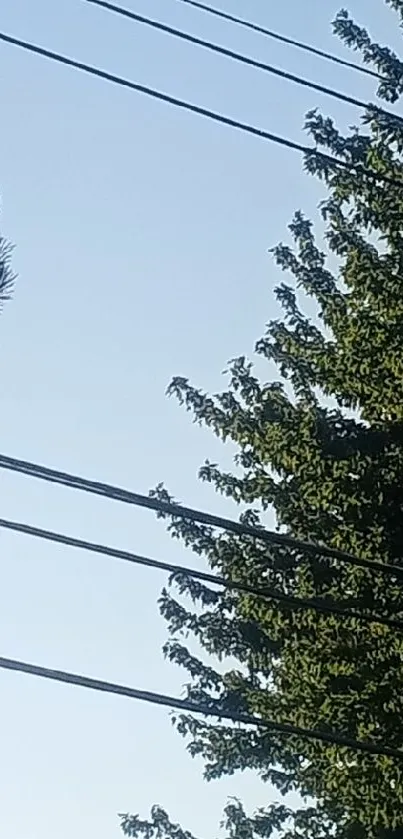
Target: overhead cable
x=326 y=606
x=310 y=151
x=236 y=56
x=187 y=705
x=284 y=39
x=35 y=470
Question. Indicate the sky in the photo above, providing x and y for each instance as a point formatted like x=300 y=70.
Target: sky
x=141 y=237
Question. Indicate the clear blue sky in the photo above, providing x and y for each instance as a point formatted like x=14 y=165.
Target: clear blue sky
x=141 y=236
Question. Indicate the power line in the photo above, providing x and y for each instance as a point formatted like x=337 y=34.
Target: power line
x=284 y=39
x=43 y=473
x=197 y=708
x=236 y=56
x=328 y=606
x=204 y=112
x=144 y=501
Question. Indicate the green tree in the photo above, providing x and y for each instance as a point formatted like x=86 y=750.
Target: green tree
x=323 y=447
x=7 y=276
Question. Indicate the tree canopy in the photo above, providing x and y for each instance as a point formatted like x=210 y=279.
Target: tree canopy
x=323 y=447
x=7 y=276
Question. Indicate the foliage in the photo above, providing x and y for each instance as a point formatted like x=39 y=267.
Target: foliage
x=332 y=474
x=7 y=277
